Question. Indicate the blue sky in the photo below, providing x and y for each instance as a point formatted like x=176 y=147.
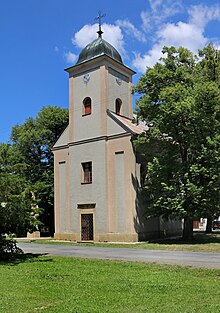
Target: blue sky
x=39 y=38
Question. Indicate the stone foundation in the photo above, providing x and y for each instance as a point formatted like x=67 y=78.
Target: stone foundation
x=109 y=237
x=115 y=237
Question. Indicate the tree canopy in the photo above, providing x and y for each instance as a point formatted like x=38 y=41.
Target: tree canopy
x=26 y=172
x=180 y=101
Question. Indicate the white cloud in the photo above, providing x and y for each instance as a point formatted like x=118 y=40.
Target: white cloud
x=200 y=15
x=182 y=34
x=187 y=34
x=113 y=34
x=88 y=33
x=85 y=35
x=155 y=4
x=162 y=9
x=56 y=49
x=146 y=21
x=70 y=57
x=148 y=59
x=171 y=8
x=217 y=45
x=131 y=30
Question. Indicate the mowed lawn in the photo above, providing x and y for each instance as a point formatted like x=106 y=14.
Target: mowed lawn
x=69 y=285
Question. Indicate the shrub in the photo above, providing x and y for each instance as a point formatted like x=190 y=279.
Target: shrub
x=8 y=249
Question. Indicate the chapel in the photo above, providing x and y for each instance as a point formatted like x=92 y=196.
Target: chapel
x=96 y=167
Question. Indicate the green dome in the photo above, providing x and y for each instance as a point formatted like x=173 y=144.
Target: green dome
x=97 y=48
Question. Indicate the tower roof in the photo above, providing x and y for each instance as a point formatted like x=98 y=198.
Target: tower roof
x=97 y=48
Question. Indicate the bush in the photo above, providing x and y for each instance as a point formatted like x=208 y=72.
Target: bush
x=8 y=249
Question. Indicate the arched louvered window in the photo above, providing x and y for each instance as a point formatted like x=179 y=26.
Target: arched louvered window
x=87 y=106
x=118 y=104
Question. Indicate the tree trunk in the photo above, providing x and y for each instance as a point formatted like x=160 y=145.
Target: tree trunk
x=188 y=229
x=209 y=225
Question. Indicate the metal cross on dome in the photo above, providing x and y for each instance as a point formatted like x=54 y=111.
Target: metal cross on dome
x=99 y=18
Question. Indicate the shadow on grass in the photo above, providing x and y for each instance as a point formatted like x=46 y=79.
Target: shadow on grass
x=16 y=259
x=199 y=238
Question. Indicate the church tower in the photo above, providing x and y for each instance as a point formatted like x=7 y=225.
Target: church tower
x=96 y=173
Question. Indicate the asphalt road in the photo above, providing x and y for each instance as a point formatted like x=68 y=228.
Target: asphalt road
x=196 y=259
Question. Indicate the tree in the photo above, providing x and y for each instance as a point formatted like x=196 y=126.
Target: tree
x=210 y=69
x=16 y=214
x=26 y=185
x=34 y=140
x=17 y=210
x=180 y=101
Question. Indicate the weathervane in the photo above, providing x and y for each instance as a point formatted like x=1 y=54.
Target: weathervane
x=98 y=18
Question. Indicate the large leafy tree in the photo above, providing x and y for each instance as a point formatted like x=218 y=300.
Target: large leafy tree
x=34 y=140
x=15 y=200
x=180 y=101
x=26 y=172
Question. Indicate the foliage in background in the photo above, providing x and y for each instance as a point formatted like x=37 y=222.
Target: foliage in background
x=180 y=101
x=15 y=200
x=26 y=173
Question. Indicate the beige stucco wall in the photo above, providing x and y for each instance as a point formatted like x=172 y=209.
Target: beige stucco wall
x=88 y=193
x=88 y=126
x=121 y=91
x=61 y=182
x=103 y=90
x=94 y=138
x=121 y=207
x=111 y=190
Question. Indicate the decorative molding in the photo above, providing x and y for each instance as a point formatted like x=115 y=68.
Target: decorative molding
x=80 y=142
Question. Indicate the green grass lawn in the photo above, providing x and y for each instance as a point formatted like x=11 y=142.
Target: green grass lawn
x=69 y=285
x=201 y=243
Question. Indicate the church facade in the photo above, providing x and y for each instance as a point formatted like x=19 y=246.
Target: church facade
x=97 y=174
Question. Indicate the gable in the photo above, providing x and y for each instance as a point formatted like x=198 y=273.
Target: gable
x=114 y=128
x=63 y=140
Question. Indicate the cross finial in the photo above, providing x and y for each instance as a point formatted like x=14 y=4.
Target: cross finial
x=99 y=17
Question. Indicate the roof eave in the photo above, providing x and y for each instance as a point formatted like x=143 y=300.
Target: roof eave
x=103 y=55
x=126 y=128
